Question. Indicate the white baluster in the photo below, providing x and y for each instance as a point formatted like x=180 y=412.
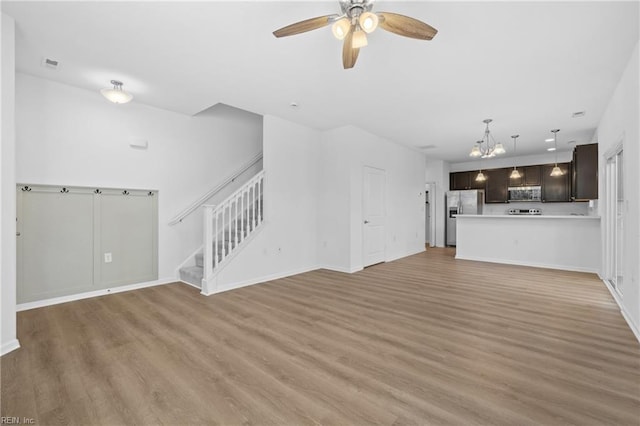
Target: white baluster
x=242 y=234
x=207 y=254
x=261 y=198
x=215 y=239
x=255 y=219
x=229 y=228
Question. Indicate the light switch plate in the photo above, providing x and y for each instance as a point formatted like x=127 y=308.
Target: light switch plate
x=107 y=258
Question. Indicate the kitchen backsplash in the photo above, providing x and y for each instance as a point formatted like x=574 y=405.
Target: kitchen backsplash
x=560 y=209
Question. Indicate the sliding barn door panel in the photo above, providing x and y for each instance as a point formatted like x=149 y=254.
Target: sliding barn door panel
x=73 y=240
x=55 y=244
x=128 y=234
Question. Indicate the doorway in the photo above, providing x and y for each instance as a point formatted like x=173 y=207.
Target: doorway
x=615 y=208
x=373 y=208
x=429 y=213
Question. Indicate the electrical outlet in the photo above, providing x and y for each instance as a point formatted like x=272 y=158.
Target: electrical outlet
x=108 y=258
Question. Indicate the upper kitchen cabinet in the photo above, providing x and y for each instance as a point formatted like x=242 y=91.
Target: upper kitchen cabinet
x=529 y=176
x=464 y=180
x=556 y=188
x=584 y=184
x=497 y=185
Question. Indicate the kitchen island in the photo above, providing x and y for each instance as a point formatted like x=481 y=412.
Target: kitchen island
x=569 y=243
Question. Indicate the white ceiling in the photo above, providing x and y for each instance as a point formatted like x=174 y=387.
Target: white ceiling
x=527 y=65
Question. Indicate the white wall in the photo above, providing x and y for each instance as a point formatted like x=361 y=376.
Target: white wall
x=286 y=245
x=620 y=123
x=313 y=203
x=345 y=151
x=8 y=341
x=437 y=171
x=71 y=136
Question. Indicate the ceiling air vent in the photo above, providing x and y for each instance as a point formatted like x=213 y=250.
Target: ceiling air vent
x=50 y=63
x=427 y=147
x=578 y=114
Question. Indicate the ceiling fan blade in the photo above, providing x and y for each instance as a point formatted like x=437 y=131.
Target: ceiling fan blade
x=406 y=26
x=349 y=54
x=304 y=26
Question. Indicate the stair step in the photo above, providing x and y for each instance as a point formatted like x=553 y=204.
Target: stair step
x=192 y=275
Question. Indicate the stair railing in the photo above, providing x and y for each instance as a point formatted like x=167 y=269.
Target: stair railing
x=213 y=191
x=229 y=223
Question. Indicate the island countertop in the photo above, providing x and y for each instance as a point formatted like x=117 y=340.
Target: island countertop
x=528 y=216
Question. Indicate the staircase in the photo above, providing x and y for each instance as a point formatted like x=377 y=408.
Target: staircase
x=227 y=227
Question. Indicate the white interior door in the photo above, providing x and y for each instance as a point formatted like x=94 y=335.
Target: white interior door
x=373 y=231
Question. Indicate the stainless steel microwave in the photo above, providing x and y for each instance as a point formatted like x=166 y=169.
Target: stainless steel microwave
x=525 y=193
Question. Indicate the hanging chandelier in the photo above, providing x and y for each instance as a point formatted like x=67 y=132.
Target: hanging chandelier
x=487 y=147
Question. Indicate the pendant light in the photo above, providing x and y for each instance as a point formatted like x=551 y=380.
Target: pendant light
x=116 y=95
x=556 y=170
x=480 y=177
x=515 y=174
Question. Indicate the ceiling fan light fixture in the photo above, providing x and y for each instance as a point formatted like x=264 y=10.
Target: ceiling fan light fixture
x=359 y=39
x=116 y=95
x=368 y=22
x=341 y=28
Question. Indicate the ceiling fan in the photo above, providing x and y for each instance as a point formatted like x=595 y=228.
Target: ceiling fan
x=355 y=22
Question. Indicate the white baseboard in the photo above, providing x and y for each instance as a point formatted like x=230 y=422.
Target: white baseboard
x=89 y=294
x=259 y=280
x=532 y=264
x=341 y=268
x=623 y=311
x=9 y=346
x=407 y=254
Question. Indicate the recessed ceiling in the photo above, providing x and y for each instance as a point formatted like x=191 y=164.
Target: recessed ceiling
x=527 y=65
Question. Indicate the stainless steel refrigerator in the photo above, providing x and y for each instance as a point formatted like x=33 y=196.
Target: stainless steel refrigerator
x=461 y=202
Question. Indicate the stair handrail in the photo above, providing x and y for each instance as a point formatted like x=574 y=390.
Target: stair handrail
x=200 y=201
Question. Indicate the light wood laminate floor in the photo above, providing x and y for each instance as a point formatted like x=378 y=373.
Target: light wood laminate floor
x=423 y=340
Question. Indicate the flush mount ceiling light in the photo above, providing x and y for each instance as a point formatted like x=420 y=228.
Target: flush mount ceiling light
x=556 y=170
x=487 y=147
x=116 y=95
x=355 y=22
x=515 y=174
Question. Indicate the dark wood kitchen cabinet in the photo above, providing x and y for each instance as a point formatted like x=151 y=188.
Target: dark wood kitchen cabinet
x=556 y=188
x=497 y=185
x=584 y=183
x=464 y=180
x=529 y=176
